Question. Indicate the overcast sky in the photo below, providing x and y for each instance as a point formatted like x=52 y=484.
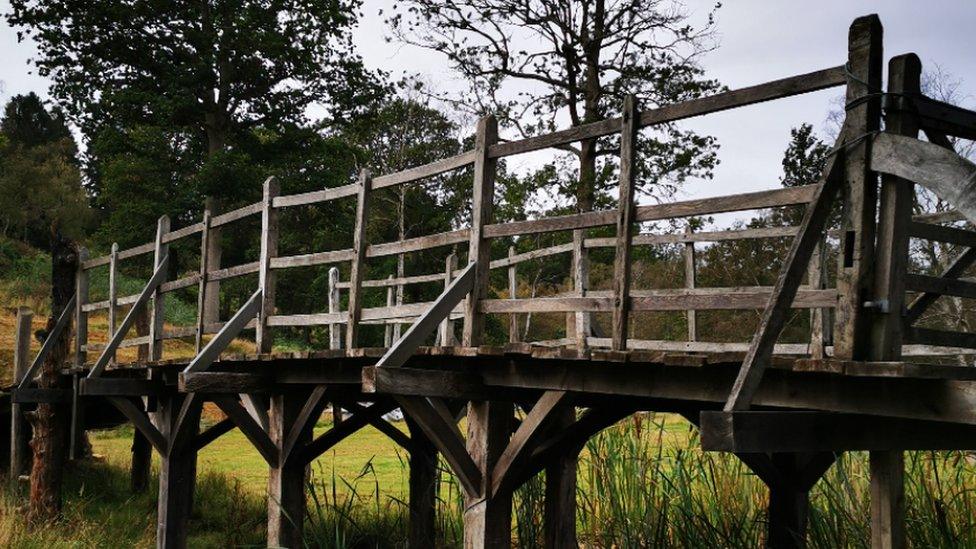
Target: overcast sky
x=760 y=40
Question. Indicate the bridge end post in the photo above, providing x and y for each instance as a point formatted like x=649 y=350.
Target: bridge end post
x=423 y=488
x=177 y=468
x=286 y=478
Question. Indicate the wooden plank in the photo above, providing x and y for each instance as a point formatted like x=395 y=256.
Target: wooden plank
x=942 y=338
x=264 y=339
x=625 y=225
x=551 y=224
x=251 y=429
x=109 y=350
x=479 y=247
x=317 y=258
x=141 y=422
x=514 y=258
x=944 y=117
x=955 y=270
x=157 y=311
x=700 y=346
x=234 y=215
x=427 y=170
x=939 y=285
x=235 y=271
x=315 y=197
x=309 y=319
x=135 y=251
x=180 y=283
x=546 y=305
x=695 y=300
x=335 y=330
x=789 y=196
x=939 y=233
x=776 y=89
x=81 y=317
x=787 y=284
x=518 y=453
x=419 y=243
x=359 y=258
x=230 y=330
x=425 y=325
x=945 y=173
x=20 y=455
x=420 y=382
x=754 y=432
x=397 y=281
x=231 y=383
x=189 y=230
x=202 y=286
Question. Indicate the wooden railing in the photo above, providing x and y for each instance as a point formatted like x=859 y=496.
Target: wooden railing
x=476 y=239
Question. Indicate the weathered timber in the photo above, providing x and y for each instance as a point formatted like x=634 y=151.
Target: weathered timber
x=266 y=277
x=625 y=225
x=219 y=342
x=359 y=259
x=479 y=248
x=19 y=428
x=156 y=312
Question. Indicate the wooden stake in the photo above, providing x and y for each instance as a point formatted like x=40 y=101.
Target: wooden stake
x=113 y=292
x=203 y=286
x=81 y=317
x=211 y=305
x=690 y=282
x=19 y=429
x=156 y=315
x=335 y=329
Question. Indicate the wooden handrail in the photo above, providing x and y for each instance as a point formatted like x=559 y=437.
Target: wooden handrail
x=109 y=351
x=231 y=329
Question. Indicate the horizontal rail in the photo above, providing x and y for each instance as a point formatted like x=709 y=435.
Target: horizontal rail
x=189 y=230
x=427 y=170
x=777 y=89
x=308 y=260
x=418 y=243
x=941 y=338
x=234 y=215
x=235 y=271
x=940 y=233
x=315 y=197
x=945 y=118
x=401 y=281
x=939 y=285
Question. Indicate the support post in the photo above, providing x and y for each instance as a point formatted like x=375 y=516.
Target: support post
x=789 y=506
x=335 y=329
x=625 y=225
x=560 y=503
x=816 y=281
x=19 y=429
x=513 y=329
x=388 y=327
x=113 y=292
x=286 y=479
x=177 y=471
x=359 y=260
x=423 y=488
x=140 y=465
x=897 y=204
x=854 y=278
x=488 y=517
x=581 y=283
x=203 y=286
x=266 y=277
x=690 y=282
x=211 y=305
x=157 y=313
x=81 y=317
x=479 y=247
x=447 y=325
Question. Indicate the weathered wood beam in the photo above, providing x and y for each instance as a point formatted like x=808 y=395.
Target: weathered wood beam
x=479 y=247
x=141 y=422
x=251 y=429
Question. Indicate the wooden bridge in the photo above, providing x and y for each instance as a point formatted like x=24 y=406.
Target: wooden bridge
x=861 y=382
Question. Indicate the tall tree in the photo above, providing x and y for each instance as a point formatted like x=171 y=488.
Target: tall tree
x=539 y=63
x=27 y=122
x=218 y=66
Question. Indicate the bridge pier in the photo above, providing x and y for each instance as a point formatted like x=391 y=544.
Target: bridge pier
x=287 y=477
x=423 y=488
x=560 y=502
x=487 y=515
x=178 y=420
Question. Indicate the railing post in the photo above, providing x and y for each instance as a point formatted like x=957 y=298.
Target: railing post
x=81 y=317
x=203 y=286
x=479 y=247
x=211 y=305
x=447 y=325
x=513 y=329
x=818 y=317
x=397 y=327
x=113 y=291
x=266 y=277
x=581 y=284
x=854 y=278
x=359 y=260
x=625 y=225
x=157 y=314
x=388 y=328
x=690 y=282
x=19 y=433
x=891 y=260
x=335 y=330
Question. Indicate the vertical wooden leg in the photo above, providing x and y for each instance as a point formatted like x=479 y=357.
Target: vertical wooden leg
x=286 y=482
x=788 y=510
x=560 y=514
x=141 y=462
x=488 y=520
x=423 y=489
x=887 y=500
x=177 y=475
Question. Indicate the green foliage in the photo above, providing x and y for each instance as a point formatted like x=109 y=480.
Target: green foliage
x=28 y=123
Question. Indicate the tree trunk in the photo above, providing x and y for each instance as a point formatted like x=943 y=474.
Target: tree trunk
x=50 y=420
